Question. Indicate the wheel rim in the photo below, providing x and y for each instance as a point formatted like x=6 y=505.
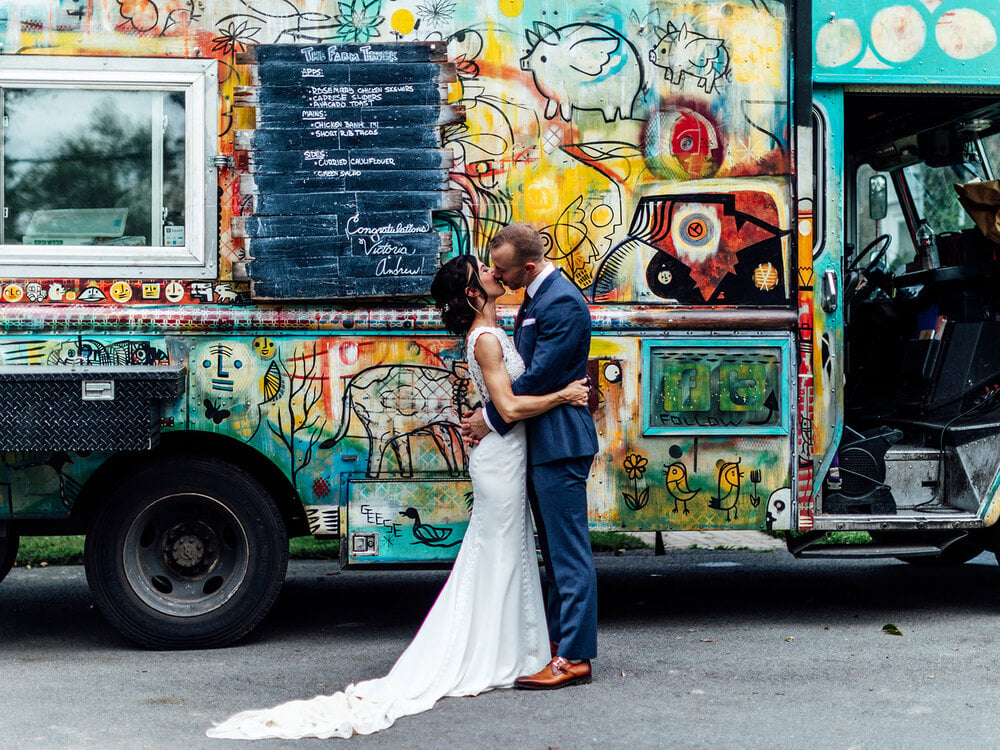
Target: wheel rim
x=186 y=555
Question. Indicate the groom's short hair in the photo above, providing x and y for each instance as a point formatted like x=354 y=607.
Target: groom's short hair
x=524 y=238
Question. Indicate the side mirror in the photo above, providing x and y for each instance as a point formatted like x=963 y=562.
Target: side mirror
x=878 y=200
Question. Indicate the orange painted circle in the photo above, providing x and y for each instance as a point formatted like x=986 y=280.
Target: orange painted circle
x=13 y=293
x=602 y=215
x=696 y=230
x=765 y=277
x=511 y=8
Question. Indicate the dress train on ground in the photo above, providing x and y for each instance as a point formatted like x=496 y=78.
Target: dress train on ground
x=486 y=627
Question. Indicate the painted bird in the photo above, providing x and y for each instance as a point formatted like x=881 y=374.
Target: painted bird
x=728 y=484
x=431 y=536
x=676 y=476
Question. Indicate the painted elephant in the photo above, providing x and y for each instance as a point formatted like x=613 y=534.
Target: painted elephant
x=397 y=403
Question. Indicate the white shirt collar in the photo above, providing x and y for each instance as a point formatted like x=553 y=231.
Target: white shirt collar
x=532 y=288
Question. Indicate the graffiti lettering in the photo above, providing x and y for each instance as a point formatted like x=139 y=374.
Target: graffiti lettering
x=674 y=420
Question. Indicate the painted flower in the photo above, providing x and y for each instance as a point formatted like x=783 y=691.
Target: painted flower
x=235 y=37
x=635 y=466
x=358 y=20
x=437 y=13
x=637 y=501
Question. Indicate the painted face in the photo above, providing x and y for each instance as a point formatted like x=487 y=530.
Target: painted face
x=121 y=291
x=506 y=269
x=264 y=347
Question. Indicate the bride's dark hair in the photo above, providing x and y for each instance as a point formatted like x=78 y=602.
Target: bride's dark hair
x=449 y=290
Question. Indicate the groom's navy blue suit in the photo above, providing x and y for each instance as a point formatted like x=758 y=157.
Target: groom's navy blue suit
x=552 y=334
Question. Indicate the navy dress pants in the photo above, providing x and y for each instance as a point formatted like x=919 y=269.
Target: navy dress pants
x=557 y=492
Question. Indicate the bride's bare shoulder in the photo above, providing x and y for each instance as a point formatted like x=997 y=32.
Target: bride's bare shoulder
x=485 y=345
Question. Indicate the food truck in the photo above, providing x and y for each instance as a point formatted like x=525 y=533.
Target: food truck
x=220 y=222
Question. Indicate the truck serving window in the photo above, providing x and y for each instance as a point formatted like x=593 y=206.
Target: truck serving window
x=107 y=167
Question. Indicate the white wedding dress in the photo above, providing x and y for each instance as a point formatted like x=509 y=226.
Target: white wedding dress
x=486 y=627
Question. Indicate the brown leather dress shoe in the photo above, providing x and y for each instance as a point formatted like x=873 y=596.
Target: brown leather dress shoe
x=557 y=673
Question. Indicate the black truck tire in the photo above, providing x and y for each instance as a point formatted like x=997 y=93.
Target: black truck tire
x=186 y=552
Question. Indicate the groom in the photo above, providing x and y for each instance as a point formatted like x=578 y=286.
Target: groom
x=552 y=334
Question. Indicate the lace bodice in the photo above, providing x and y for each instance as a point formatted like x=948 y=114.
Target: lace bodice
x=511 y=359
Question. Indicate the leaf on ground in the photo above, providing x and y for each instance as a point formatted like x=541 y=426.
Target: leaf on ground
x=890 y=629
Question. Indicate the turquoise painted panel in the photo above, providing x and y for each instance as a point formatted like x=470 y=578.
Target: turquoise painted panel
x=393 y=521
x=718 y=387
x=954 y=41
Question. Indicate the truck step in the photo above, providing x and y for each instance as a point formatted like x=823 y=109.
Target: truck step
x=848 y=551
x=811 y=545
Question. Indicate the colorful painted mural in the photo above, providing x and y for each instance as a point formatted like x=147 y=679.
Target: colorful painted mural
x=712 y=438
x=355 y=434
x=650 y=143
x=576 y=120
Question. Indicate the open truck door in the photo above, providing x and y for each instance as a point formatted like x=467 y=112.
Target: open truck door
x=916 y=457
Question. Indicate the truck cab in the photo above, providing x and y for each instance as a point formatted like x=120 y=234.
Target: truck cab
x=905 y=161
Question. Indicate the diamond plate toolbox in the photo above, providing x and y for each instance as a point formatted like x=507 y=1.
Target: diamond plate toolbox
x=84 y=408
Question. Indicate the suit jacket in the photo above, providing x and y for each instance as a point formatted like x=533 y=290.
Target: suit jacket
x=553 y=338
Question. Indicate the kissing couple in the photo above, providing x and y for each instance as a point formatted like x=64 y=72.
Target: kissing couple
x=534 y=442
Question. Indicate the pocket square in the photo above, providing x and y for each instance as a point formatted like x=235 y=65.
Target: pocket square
x=528 y=322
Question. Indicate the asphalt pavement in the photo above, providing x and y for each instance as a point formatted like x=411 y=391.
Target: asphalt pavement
x=731 y=648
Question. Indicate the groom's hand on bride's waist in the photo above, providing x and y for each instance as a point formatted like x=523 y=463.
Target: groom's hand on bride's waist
x=474 y=428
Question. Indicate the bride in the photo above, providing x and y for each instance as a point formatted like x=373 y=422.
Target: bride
x=487 y=625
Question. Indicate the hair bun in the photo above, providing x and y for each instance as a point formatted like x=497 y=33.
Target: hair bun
x=449 y=292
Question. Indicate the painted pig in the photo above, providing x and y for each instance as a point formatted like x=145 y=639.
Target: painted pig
x=584 y=66
x=685 y=55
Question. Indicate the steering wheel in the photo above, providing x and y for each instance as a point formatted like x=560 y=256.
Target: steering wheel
x=884 y=240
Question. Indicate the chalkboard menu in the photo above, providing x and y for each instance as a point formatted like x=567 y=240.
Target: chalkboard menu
x=344 y=168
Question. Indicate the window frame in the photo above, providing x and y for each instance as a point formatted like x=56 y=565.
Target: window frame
x=820 y=170
x=198 y=80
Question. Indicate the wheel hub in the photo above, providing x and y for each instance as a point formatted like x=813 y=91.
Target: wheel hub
x=190 y=549
x=185 y=554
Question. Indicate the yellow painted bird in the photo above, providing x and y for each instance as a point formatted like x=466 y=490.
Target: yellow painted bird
x=728 y=488
x=676 y=477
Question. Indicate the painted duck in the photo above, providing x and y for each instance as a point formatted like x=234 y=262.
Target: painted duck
x=423 y=533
